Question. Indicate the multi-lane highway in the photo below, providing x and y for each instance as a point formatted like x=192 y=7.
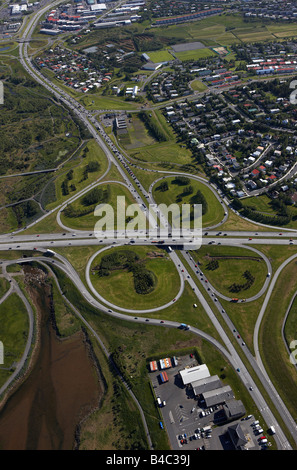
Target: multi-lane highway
x=181 y=259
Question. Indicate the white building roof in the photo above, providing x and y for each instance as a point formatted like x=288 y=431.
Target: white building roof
x=194 y=373
x=98 y=6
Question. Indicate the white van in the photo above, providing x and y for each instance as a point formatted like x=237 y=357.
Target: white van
x=159 y=401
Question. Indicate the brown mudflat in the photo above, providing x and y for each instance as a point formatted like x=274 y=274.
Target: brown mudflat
x=62 y=388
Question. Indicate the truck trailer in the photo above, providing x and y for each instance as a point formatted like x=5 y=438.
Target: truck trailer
x=163 y=377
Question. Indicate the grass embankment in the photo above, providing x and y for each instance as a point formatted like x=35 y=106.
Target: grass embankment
x=263 y=206
x=4 y=286
x=14 y=326
x=143 y=146
x=272 y=348
x=80 y=176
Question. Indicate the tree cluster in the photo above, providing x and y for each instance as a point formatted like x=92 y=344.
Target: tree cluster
x=144 y=279
x=249 y=280
x=152 y=127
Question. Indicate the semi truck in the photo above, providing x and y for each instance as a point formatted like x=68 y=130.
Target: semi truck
x=163 y=377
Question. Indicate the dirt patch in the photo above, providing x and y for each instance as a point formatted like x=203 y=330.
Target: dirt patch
x=63 y=386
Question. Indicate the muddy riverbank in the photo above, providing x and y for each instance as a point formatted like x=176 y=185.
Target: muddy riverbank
x=63 y=386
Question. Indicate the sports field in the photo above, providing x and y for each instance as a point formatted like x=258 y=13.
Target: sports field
x=195 y=54
x=160 y=56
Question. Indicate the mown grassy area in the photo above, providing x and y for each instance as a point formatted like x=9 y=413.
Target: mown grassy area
x=235 y=222
x=195 y=54
x=277 y=254
x=4 y=286
x=88 y=221
x=290 y=330
x=143 y=147
x=232 y=263
x=89 y=153
x=98 y=101
x=263 y=205
x=78 y=256
x=273 y=352
x=14 y=326
x=48 y=224
x=214 y=213
x=160 y=56
x=137 y=135
x=167 y=152
x=111 y=287
x=198 y=85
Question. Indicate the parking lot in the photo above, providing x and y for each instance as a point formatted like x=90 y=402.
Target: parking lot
x=183 y=420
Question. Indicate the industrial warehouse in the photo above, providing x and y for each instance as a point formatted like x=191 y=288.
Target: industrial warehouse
x=194 y=403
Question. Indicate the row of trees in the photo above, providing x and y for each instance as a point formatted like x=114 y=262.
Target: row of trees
x=66 y=186
x=249 y=280
x=153 y=128
x=89 y=202
x=144 y=279
x=282 y=217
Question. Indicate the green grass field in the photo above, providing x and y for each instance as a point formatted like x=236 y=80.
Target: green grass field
x=262 y=204
x=97 y=101
x=215 y=211
x=195 y=54
x=13 y=333
x=137 y=135
x=118 y=282
x=87 y=222
x=4 y=286
x=197 y=85
x=168 y=152
x=143 y=147
x=227 y=29
x=93 y=154
x=272 y=348
x=230 y=269
x=160 y=56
